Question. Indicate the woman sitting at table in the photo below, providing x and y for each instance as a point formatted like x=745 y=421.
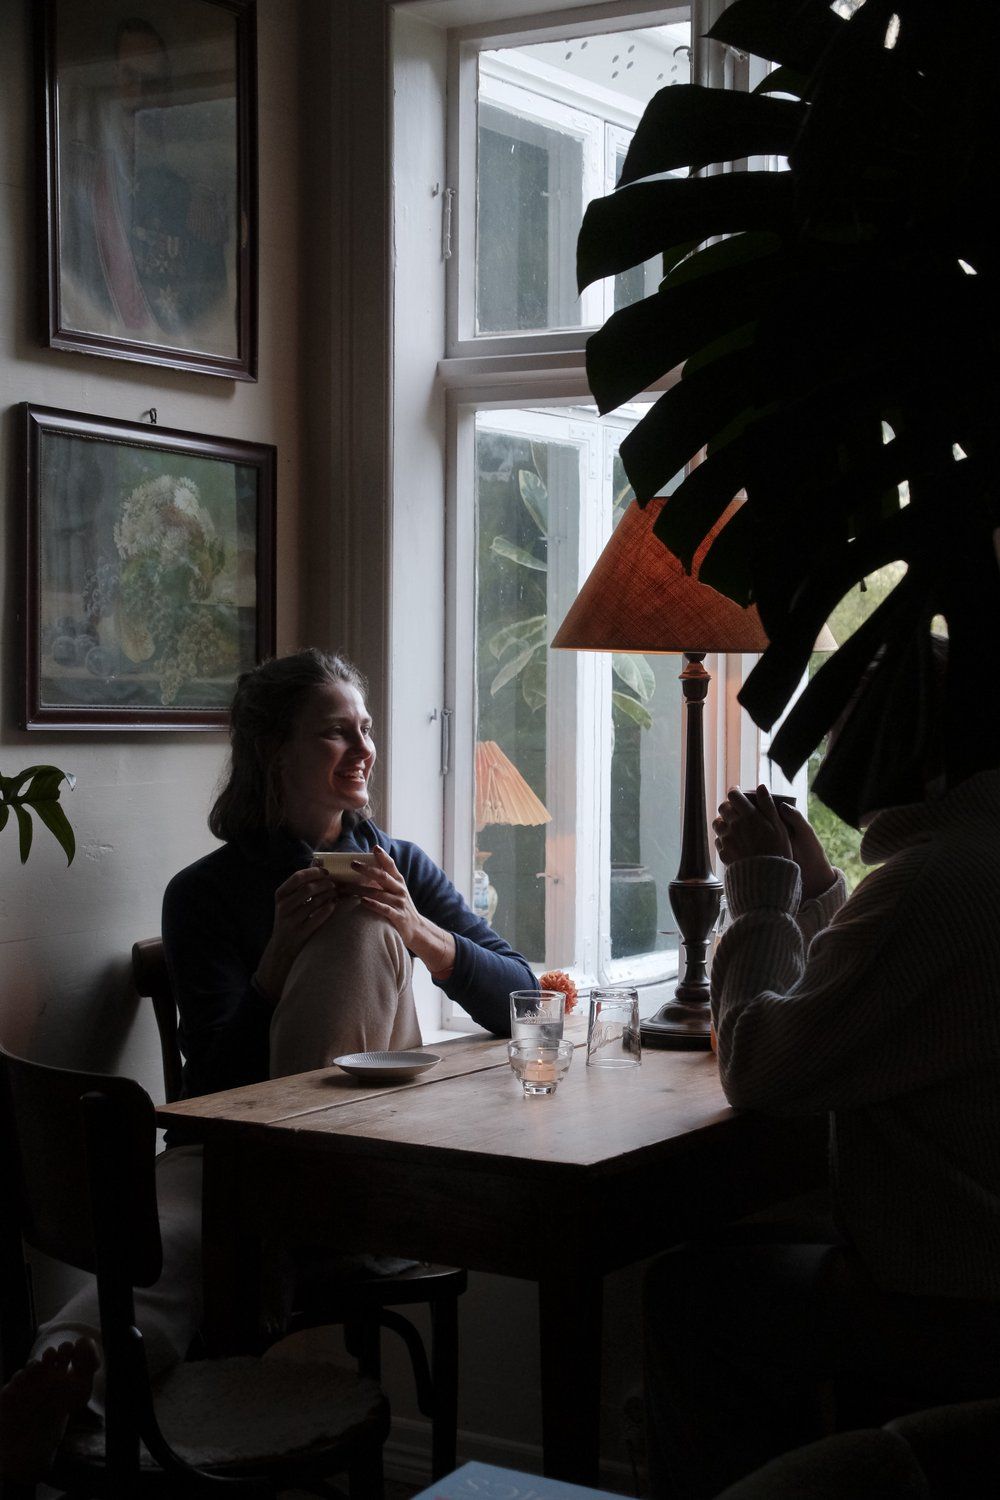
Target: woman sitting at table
x=277 y=968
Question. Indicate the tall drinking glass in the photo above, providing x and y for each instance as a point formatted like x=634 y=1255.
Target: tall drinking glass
x=537 y=1016
x=613 y=1039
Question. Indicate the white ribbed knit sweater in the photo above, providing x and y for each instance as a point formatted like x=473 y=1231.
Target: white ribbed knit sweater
x=890 y=1021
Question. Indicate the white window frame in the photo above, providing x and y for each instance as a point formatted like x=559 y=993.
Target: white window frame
x=523 y=371
x=572 y=112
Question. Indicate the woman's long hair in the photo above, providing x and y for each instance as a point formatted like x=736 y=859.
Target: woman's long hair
x=265 y=710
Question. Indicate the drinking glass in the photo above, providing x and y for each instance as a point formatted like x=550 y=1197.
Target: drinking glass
x=613 y=1032
x=537 y=1016
x=539 y=1067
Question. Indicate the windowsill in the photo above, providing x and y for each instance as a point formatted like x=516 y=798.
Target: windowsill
x=442 y=1034
x=653 y=992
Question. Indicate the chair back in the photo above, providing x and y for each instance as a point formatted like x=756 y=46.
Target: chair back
x=152 y=982
x=79 y=1185
x=53 y=1121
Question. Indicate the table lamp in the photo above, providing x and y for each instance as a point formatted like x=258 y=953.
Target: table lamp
x=502 y=797
x=638 y=598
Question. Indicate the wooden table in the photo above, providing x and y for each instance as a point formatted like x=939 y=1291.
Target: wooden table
x=457 y=1166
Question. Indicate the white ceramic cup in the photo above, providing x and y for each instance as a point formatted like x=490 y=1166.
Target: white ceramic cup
x=337 y=862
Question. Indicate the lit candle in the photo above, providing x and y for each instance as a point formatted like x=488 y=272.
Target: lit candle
x=540 y=1072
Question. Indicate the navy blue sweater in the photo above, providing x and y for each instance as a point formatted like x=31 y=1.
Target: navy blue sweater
x=217 y=919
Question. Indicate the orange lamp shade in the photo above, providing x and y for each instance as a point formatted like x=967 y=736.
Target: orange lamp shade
x=639 y=598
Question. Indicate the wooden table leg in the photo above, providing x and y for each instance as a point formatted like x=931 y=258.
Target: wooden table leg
x=569 y=1308
x=444 y=1374
x=230 y=1258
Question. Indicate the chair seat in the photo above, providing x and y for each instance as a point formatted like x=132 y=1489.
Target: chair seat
x=247 y=1413
x=328 y=1288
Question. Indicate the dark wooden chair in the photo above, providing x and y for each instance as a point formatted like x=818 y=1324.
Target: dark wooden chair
x=364 y=1305
x=78 y=1183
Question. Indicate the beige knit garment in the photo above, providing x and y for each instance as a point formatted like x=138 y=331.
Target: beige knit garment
x=349 y=990
x=890 y=1020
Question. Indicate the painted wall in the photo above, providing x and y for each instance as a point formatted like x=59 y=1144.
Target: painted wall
x=140 y=805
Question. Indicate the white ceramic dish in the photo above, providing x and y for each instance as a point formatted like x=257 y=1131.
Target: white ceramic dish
x=386 y=1067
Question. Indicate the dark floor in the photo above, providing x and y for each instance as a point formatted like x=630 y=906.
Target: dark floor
x=394 y=1490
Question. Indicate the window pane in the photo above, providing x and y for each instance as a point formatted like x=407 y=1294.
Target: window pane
x=579 y=878
x=530 y=181
x=555 y=120
x=645 y=789
x=514 y=475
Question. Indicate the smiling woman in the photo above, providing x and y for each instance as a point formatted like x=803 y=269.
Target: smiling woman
x=279 y=967
x=326 y=763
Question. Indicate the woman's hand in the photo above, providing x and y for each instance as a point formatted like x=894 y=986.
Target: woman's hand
x=742 y=830
x=385 y=891
x=301 y=904
x=808 y=853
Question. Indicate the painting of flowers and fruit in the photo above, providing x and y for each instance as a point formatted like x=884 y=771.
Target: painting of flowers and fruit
x=150 y=571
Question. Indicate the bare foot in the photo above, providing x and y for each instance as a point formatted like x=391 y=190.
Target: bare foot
x=36 y=1404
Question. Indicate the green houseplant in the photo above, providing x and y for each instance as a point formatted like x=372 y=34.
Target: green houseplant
x=36 y=790
x=836 y=324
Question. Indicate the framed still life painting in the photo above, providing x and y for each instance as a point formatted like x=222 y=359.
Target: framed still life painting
x=148 y=156
x=150 y=572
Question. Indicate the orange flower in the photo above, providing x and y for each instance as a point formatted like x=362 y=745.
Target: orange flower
x=558 y=979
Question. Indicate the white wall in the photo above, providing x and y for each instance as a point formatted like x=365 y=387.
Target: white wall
x=140 y=804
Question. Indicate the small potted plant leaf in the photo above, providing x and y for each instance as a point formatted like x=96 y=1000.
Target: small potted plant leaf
x=36 y=790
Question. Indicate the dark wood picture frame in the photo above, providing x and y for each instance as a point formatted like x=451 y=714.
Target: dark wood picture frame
x=148 y=181
x=150 y=576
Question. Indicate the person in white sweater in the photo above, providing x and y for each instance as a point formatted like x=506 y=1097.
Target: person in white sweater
x=884 y=1012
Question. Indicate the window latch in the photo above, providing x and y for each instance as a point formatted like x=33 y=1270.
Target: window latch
x=447 y=197
x=445 y=740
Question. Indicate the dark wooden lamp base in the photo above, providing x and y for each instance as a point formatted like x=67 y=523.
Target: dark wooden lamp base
x=696 y=895
x=683 y=1028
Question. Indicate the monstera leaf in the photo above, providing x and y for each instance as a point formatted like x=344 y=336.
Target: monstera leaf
x=36 y=790
x=837 y=359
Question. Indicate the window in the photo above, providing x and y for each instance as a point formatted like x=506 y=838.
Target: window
x=550 y=138
x=504 y=470
x=595 y=737
x=539 y=487
x=542 y=129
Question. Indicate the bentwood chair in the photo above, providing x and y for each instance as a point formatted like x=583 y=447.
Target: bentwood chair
x=362 y=1304
x=78 y=1183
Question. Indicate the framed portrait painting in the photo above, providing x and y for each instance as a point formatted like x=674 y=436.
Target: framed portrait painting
x=148 y=119
x=150 y=572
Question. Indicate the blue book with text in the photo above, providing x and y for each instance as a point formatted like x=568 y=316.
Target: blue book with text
x=484 y=1482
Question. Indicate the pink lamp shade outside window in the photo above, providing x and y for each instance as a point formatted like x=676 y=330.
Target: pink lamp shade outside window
x=503 y=798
